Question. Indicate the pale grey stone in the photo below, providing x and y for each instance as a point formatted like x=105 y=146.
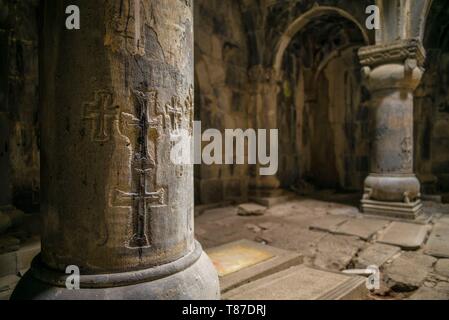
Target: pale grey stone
x=251 y=209
x=408 y=236
x=442 y=267
x=376 y=254
x=302 y=283
x=362 y=228
x=438 y=243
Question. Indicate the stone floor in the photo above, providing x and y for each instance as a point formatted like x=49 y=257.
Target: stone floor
x=412 y=256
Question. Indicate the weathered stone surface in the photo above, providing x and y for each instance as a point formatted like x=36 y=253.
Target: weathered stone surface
x=362 y=228
x=302 y=283
x=425 y=293
x=8 y=264
x=328 y=224
x=110 y=122
x=8 y=283
x=408 y=271
x=408 y=236
x=376 y=254
x=442 y=267
x=9 y=244
x=27 y=252
x=438 y=243
x=251 y=209
x=244 y=261
x=335 y=252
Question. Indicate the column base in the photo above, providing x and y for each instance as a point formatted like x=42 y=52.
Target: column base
x=197 y=281
x=402 y=210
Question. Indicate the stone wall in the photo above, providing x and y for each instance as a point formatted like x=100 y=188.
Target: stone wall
x=432 y=124
x=19 y=149
x=221 y=97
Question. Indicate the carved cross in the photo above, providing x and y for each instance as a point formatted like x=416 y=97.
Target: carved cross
x=140 y=199
x=141 y=202
x=101 y=112
x=175 y=112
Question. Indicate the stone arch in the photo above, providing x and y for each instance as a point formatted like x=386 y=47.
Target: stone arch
x=301 y=22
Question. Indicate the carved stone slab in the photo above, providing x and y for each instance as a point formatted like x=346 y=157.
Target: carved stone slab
x=243 y=261
x=302 y=283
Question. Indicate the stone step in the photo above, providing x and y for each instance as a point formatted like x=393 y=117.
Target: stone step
x=302 y=283
x=243 y=261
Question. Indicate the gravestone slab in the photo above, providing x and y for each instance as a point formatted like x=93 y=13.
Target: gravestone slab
x=302 y=283
x=438 y=243
x=408 y=236
x=243 y=261
x=362 y=228
x=376 y=255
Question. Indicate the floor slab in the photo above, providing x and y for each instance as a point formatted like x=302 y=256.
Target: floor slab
x=362 y=228
x=376 y=255
x=438 y=243
x=328 y=223
x=408 y=236
x=302 y=283
x=243 y=261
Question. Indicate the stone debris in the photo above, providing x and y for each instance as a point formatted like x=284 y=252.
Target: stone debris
x=408 y=271
x=438 y=243
x=251 y=209
x=362 y=228
x=408 y=236
x=376 y=254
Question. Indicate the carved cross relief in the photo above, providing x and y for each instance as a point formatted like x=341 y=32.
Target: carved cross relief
x=101 y=112
x=146 y=128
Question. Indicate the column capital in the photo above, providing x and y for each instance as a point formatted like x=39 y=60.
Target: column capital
x=394 y=52
x=397 y=65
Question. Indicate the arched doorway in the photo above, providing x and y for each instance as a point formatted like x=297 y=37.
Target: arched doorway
x=321 y=107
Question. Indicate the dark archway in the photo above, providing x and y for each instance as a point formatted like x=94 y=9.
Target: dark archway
x=321 y=106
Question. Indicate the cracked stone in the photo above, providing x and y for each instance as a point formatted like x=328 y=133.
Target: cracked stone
x=328 y=224
x=335 y=252
x=409 y=271
x=408 y=236
x=376 y=254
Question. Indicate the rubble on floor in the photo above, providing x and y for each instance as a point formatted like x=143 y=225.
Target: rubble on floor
x=336 y=237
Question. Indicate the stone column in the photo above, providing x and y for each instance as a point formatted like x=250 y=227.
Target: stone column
x=265 y=89
x=115 y=95
x=392 y=72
